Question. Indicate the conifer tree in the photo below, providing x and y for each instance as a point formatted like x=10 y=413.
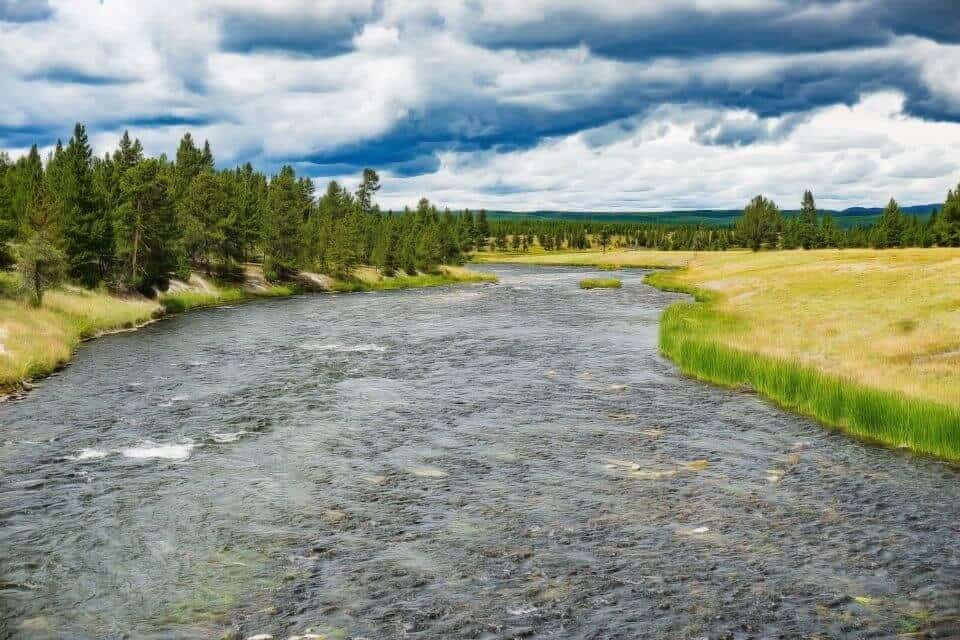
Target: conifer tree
x=85 y=226
x=40 y=262
x=889 y=229
x=369 y=185
x=948 y=223
x=283 y=217
x=807 y=221
x=759 y=224
x=145 y=226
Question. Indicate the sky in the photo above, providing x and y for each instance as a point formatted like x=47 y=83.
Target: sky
x=504 y=104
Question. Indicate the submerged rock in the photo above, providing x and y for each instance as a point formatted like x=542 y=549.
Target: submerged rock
x=428 y=472
x=647 y=474
x=334 y=515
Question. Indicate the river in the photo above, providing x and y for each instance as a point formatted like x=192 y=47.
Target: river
x=485 y=461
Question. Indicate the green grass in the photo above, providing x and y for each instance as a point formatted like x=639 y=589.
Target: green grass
x=183 y=300
x=193 y=299
x=35 y=341
x=367 y=279
x=600 y=283
x=687 y=336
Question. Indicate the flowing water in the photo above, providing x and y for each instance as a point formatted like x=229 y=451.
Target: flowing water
x=489 y=461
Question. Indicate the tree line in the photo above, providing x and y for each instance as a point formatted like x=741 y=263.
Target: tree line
x=131 y=222
x=762 y=225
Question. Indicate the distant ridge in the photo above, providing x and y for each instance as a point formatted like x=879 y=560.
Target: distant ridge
x=849 y=217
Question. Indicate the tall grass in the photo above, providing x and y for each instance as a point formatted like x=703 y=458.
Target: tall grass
x=688 y=336
x=37 y=341
x=181 y=301
x=369 y=279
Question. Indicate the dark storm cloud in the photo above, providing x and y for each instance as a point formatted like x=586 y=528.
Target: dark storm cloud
x=24 y=10
x=67 y=75
x=411 y=146
x=246 y=32
x=791 y=28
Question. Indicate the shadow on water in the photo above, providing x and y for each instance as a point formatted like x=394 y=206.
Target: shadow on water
x=511 y=460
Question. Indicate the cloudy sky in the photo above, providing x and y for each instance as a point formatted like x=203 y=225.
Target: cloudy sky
x=507 y=104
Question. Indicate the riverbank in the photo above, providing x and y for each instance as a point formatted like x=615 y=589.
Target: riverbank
x=862 y=340
x=35 y=342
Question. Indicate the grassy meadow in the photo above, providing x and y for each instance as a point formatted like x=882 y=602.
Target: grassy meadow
x=864 y=340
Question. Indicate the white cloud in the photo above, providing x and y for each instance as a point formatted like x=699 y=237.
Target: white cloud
x=661 y=162
x=415 y=58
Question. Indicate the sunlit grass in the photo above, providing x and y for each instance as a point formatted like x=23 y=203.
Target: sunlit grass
x=600 y=283
x=865 y=340
x=370 y=279
x=36 y=341
x=181 y=301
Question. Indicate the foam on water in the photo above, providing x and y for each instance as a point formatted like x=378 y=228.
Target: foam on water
x=343 y=348
x=224 y=438
x=88 y=454
x=149 y=450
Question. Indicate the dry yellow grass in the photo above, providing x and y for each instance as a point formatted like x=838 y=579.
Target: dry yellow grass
x=885 y=319
x=34 y=342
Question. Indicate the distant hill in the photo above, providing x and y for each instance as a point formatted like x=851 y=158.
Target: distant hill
x=850 y=217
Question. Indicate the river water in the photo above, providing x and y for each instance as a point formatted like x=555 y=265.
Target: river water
x=486 y=461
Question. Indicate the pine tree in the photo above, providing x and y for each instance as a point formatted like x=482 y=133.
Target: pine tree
x=145 y=227
x=189 y=163
x=807 y=220
x=40 y=263
x=203 y=215
x=86 y=228
x=827 y=235
x=283 y=217
x=948 y=223
x=759 y=224
x=9 y=225
x=369 y=185
x=888 y=232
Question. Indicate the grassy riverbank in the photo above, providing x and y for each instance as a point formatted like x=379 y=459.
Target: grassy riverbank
x=34 y=342
x=370 y=279
x=866 y=341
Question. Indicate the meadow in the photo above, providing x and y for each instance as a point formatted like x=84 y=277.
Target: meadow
x=864 y=340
